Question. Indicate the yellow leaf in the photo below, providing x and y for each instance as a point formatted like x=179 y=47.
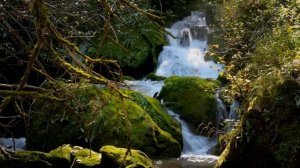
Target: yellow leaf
x=215 y=46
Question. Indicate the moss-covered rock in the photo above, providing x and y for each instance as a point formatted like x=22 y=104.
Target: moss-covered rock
x=119 y=157
x=192 y=97
x=63 y=151
x=34 y=159
x=159 y=114
x=268 y=135
x=94 y=117
x=86 y=157
x=77 y=157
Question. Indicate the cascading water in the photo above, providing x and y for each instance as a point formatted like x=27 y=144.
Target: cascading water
x=184 y=56
x=233 y=110
x=224 y=117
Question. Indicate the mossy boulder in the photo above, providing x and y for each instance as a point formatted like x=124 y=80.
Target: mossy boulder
x=158 y=114
x=120 y=157
x=78 y=157
x=94 y=116
x=34 y=159
x=139 y=41
x=192 y=97
x=63 y=151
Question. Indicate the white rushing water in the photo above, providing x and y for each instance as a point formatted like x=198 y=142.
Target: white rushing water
x=184 y=56
x=192 y=144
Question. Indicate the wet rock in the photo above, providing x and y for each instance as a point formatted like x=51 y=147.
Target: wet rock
x=186 y=38
x=199 y=32
x=191 y=97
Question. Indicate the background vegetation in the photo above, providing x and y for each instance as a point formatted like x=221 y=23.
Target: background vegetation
x=262 y=54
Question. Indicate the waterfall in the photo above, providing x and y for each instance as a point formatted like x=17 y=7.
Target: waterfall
x=233 y=110
x=192 y=144
x=184 y=55
x=229 y=118
x=222 y=112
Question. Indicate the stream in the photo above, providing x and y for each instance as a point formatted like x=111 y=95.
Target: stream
x=184 y=56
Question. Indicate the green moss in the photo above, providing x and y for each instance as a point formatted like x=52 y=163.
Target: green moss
x=231 y=140
x=154 y=77
x=268 y=135
x=159 y=114
x=116 y=157
x=85 y=158
x=148 y=137
x=60 y=157
x=95 y=117
x=139 y=42
x=33 y=159
x=192 y=97
x=62 y=152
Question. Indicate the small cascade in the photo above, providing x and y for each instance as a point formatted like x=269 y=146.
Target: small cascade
x=228 y=118
x=222 y=112
x=184 y=56
x=192 y=143
x=149 y=88
x=233 y=110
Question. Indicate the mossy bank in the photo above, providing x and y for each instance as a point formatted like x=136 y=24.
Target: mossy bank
x=93 y=116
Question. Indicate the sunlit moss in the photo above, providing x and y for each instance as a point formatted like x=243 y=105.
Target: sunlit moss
x=118 y=157
x=192 y=97
x=95 y=117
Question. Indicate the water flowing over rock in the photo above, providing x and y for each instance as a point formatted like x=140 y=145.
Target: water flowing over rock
x=192 y=143
x=222 y=113
x=233 y=110
x=186 y=38
x=184 y=56
x=228 y=118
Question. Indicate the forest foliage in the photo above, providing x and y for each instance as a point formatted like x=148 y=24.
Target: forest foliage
x=45 y=42
x=261 y=51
